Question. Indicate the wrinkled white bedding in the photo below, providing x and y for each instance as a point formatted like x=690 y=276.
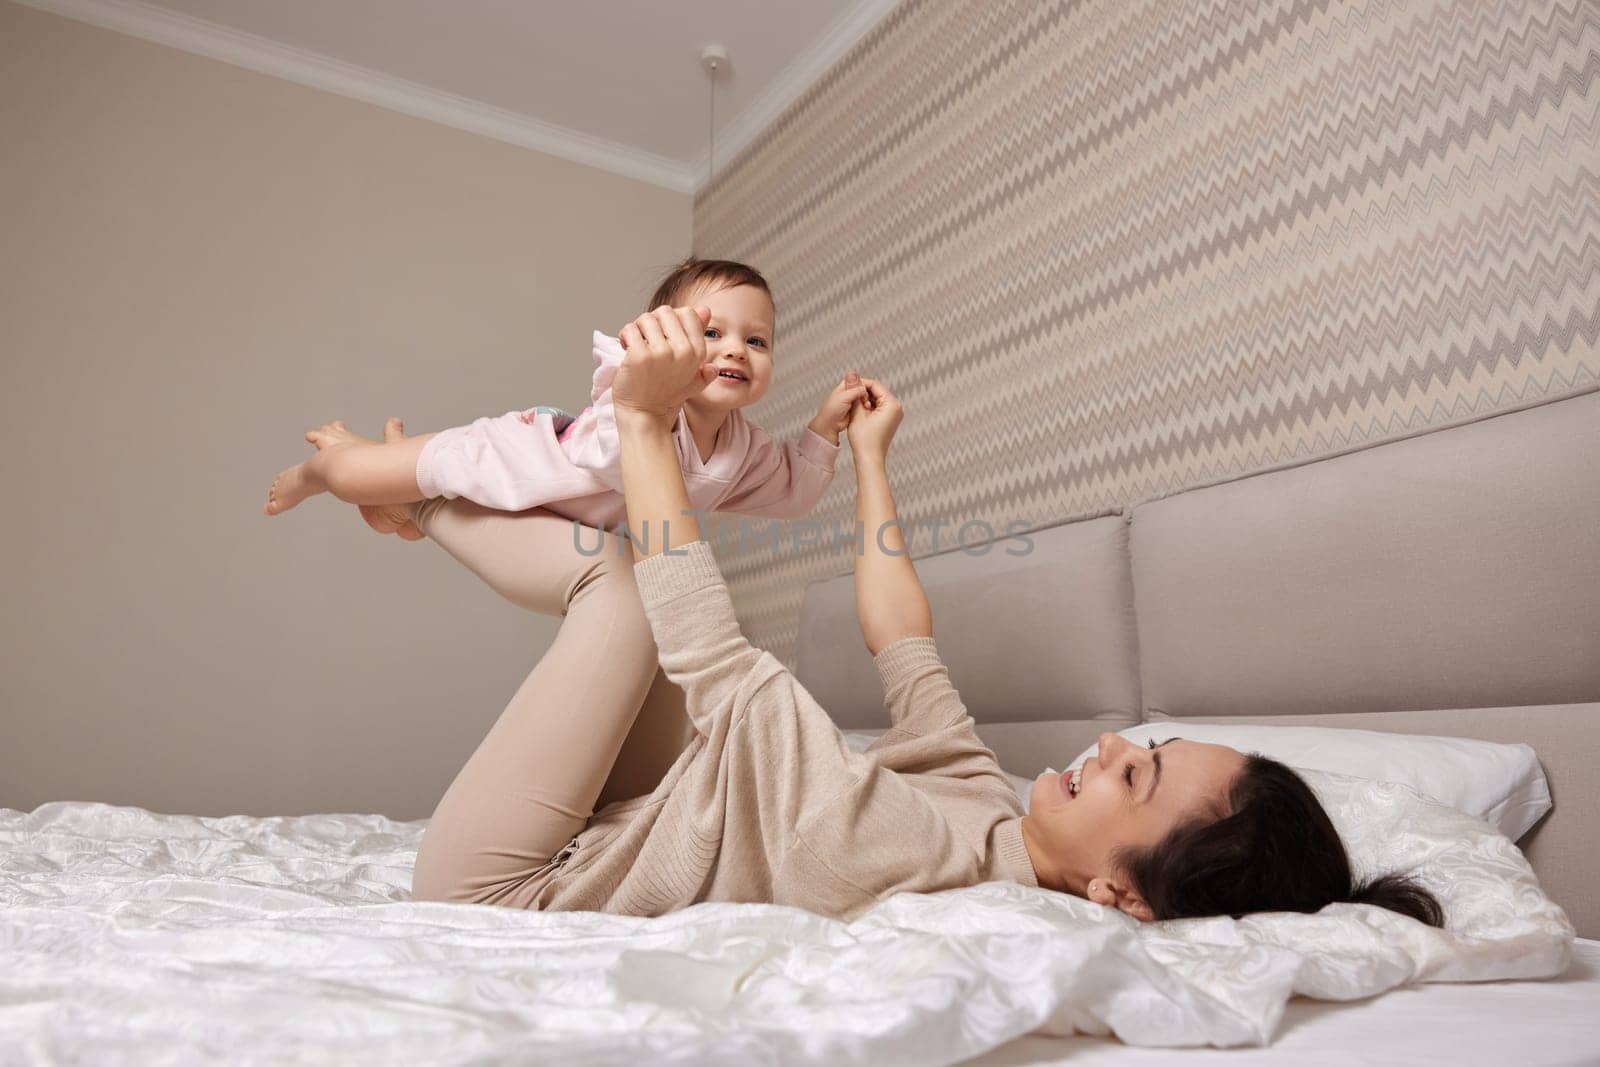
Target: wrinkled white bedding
x=128 y=935
x=1460 y=1024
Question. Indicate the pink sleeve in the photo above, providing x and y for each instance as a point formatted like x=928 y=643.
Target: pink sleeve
x=781 y=481
x=608 y=356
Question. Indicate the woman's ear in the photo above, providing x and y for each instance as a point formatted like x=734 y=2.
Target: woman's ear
x=1133 y=904
x=1112 y=893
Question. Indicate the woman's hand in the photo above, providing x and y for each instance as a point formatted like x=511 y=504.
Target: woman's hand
x=873 y=421
x=834 y=415
x=665 y=365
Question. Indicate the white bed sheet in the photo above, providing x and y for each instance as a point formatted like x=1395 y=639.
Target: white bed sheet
x=128 y=936
x=1479 y=1024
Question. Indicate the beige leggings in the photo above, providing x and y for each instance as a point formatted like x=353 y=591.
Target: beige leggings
x=595 y=721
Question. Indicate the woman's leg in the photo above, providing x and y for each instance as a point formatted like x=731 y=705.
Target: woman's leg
x=652 y=746
x=532 y=783
x=478 y=538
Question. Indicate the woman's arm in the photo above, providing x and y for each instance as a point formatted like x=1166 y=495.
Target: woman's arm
x=890 y=602
x=659 y=516
x=930 y=731
x=665 y=366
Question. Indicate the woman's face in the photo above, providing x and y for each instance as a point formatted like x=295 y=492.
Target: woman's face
x=1126 y=796
x=739 y=341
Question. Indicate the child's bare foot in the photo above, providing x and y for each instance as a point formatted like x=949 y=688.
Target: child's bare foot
x=288 y=489
x=301 y=480
x=392 y=518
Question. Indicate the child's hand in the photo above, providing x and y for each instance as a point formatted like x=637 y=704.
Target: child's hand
x=834 y=414
x=873 y=421
x=665 y=362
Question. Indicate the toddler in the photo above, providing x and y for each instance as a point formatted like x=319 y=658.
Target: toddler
x=545 y=457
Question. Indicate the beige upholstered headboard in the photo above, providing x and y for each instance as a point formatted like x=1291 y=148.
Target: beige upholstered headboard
x=1446 y=583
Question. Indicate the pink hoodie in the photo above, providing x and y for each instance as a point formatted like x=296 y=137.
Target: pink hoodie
x=517 y=461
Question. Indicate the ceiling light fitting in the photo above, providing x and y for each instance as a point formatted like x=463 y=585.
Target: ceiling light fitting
x=713 y=60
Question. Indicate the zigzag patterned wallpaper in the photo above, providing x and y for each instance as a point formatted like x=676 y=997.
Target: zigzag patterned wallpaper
x=1107 y=251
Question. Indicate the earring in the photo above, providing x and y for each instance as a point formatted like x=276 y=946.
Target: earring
x=1094 y=887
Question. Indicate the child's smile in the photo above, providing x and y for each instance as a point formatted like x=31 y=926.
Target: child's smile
x=738 y=344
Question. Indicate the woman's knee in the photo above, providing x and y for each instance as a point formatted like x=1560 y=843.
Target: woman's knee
x=608 y=574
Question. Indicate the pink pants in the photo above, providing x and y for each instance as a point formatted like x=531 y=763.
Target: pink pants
x=595 y=721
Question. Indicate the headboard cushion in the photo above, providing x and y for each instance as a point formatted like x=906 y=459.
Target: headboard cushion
x=1037 y=628
x=1452 y=570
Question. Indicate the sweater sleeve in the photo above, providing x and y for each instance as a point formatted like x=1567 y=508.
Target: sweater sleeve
x=781 y=481
x=930 y=730
x=697 y=634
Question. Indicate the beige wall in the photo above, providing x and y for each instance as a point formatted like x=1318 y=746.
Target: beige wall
x=200 y=263
x=1111 y=250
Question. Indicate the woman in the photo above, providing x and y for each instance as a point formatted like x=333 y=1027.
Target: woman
x=767 y=803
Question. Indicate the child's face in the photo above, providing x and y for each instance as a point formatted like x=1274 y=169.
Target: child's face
x=738 y=342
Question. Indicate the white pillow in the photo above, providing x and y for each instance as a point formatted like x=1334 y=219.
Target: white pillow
x=1501 y=784
x=1494 y=910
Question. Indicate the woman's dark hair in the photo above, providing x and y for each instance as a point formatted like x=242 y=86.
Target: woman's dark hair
x=691 y=272
x=1274 y=850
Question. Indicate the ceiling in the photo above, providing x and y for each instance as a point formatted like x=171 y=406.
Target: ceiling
x=616 y=84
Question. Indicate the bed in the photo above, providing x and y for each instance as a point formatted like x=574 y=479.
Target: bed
x=1448 y=583
x=135 y=937
x=1546 y=1022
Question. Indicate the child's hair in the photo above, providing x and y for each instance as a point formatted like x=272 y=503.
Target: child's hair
x=691 y=272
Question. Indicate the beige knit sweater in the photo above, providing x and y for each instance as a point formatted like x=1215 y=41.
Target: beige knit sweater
x=768 y=804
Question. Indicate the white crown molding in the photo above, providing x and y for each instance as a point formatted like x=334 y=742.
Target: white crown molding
x=189 y=34
x=800 y=74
